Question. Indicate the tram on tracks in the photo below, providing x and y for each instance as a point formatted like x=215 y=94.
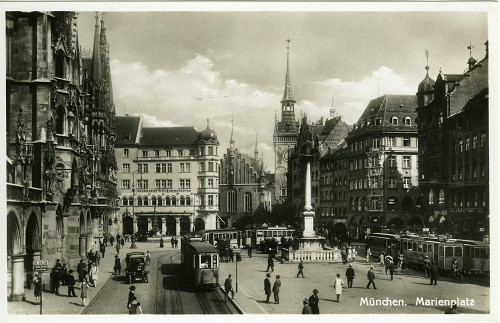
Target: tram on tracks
x=254 y=237
x=200 y=260
x=380 y=242
x=215 y=235
x=476 y=256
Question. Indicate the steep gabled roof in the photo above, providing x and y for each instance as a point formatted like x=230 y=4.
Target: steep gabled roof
x=126 y=129
x=168 y=136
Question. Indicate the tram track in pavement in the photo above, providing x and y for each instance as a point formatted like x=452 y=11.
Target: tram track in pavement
x=179 y=296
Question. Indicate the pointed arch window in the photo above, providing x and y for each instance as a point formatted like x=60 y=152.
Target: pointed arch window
x=60 y=120
x=248 y=202
x=431 y=197
x=174 y=200
x=159 y=201
x=188 y=200
x=145 y=201
x=441 y=196
x=231 y=200
x=130 y=200
x=153 y=200
x=182 y=201
x=125 y=201
x=139 y=201
x=167 y=200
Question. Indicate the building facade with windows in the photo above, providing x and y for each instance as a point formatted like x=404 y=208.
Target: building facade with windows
x=381 y=157
x=167 y=177
x=453 y=152
x=246 y=190
x=61 y=168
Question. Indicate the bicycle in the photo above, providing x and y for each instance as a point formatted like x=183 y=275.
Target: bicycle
x=456 y=274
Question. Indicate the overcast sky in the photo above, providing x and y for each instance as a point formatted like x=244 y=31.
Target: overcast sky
x=180 y=68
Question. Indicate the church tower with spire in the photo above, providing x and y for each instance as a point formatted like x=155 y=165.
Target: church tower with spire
x=285 y=134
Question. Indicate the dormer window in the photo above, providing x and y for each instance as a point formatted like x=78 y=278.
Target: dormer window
x=408 y=121
x=394 y=121
x=378 y=122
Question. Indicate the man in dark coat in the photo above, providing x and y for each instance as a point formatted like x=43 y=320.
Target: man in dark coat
x=276 y=289
x=267 y=287
x=71 y=284
x=249 y=251
x=228 y=287
x=172 y=242
x=391 y=269
x=131 y=295
x=270 y=263
x=434 y=273
x=306 y=309
x=371 y=278
x=350 y=276
x=80 y=270
x=103 y=249
x=111 y=240
x=118 y=266
x=314 y=302
x=301 y=267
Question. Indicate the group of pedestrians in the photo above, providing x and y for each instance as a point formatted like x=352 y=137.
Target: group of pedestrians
x=174 y=242
x=348 y=254
x=275 y=288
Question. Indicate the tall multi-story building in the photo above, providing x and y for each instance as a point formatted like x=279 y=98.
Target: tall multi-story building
x=168 y=178
x=246 y=190
x=285 y=136
x=61 y=184
x=382 y=164
x=453 y=151
x=324 y=136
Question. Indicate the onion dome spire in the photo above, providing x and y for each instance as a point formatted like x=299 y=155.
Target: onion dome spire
x=427 y=83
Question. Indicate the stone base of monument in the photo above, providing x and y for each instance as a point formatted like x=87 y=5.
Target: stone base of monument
x=312 y=255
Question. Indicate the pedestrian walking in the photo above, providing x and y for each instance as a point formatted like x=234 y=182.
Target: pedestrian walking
x=105 y=241
x=338 y=286
x=111 y=240
x=80 y=269
x=37 y=288
x=117 y=248
x=270 y=263
x=176 y=242
x=97 y=257
x=249 y=252
x=349 y=254
x=54 y=281
x=368 y=254
x=381 y=259
x=354 y=253
x=434 y=273
x=63 y=275
x=123 y=242
x=314 y=301
x=118 y=266
x=387 y=262
x=71 y=284
x=427 y=267
x=103 y=249
x=301 y=268
x=276 y=289
x=391 y=269
x=371 y=278
x=228 y=287
x=343 y=253
x=172 y=242
x=349 y=273
x=131 y=296
x=161 y=242
x=93 y=275
x=135 y=307
x=148 y=258
x=307 y=308
x=267 y=287
x=83 y=291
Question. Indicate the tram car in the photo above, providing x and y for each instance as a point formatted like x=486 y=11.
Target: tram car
x=438 y=249
x=200 y=260
x=215 y=235
x=476 y=256
x=261 y=234
x=380 y=242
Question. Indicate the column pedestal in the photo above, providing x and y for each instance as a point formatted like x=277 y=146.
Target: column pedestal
x=90 y=241
x=17 y=287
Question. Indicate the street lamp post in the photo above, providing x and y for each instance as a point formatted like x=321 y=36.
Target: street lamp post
x=132 y=239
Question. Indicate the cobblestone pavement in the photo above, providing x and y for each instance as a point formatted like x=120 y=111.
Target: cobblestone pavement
x=62 y=304
x=406 y=287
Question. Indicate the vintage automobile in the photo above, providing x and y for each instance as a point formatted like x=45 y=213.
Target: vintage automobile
x=136 y=267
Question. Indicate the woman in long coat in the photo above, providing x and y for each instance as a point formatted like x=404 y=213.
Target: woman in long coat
x=93 y=274
x=84 y=288
x=338 y=286
x=37 y=288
